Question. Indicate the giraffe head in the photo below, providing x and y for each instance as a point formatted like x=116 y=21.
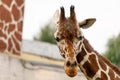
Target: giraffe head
x=68 y=35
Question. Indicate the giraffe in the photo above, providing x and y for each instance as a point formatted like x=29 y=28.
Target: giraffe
x=11 y=21
x=77 y=51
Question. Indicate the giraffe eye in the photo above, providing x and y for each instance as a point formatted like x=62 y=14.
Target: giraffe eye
x=57 y=39
x=80 y=37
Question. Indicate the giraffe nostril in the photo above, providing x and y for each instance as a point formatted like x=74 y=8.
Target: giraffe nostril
x=68 y=63
x=63 y=55
x=57 y=39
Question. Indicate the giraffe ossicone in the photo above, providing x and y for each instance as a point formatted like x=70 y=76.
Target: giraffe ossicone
x=77 y=51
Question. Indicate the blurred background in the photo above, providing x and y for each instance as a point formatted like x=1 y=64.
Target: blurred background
x=39 y=13
x=40 y=58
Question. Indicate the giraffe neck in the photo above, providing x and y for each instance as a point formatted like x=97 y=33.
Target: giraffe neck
x=95 y=66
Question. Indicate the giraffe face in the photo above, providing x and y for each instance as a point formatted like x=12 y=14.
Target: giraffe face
x=69 y=39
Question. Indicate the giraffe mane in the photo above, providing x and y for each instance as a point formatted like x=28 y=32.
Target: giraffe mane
x=115 y=68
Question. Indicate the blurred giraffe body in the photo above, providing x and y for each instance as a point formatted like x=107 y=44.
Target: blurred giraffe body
x=11 y=20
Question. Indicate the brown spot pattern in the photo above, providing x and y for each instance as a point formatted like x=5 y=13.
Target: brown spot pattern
x=20 y=26
x=88 y=47
x=18 y=36
x=19 y=2
x=17 y=44
x=2 y=46
x=5 y=14
x=15 y=12
x=1 y=25
x=102 y=65
x=113 y=67
x=81 y=55
x=111 y=74
x=103 y=76
x=11 y=29
x=2 y=35
x=102 y=61
x=91 y=66
x=10 y=44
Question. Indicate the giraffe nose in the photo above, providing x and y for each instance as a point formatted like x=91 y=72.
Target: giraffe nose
x=70 y=68
x=71 y=64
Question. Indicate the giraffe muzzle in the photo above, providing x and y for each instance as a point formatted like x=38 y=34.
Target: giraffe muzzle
x=71 y=68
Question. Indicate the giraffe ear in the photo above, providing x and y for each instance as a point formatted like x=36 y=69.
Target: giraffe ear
x=87 y=23
x=56 y=16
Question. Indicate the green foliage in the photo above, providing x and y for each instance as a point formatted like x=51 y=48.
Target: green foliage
x=113 y=50
x=46 y=34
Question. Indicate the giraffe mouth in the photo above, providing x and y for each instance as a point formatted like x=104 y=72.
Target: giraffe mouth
x=71 y=70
